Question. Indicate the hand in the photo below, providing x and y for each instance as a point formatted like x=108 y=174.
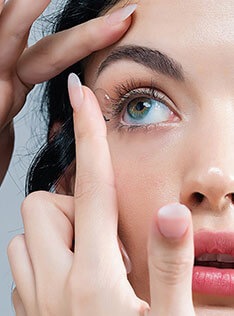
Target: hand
x=53 y=280
x=22 y=67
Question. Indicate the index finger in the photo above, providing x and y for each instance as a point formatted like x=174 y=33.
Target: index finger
x=96 y=210
x=170 y=261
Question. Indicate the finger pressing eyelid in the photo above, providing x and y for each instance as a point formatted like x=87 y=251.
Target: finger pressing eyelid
x=54 y=53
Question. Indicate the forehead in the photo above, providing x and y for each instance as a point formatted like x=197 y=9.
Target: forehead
x=197 y=33
x=183 y=20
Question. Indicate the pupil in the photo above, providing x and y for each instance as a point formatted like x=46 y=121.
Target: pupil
x=140 y=106
x=138 y=109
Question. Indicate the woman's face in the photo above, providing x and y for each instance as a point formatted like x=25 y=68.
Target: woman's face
x=192 y=152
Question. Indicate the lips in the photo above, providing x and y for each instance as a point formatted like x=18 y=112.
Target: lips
x=210 y=242
x=213 y=272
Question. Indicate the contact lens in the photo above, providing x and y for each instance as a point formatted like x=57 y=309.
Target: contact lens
x=105 y=102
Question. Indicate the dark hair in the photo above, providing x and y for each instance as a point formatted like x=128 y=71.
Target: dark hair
x=58 y=153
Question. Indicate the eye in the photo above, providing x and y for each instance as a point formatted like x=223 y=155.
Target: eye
x=146 y=110
x=137 y=106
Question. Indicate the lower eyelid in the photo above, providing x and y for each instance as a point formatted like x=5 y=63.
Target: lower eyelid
x=148 y=129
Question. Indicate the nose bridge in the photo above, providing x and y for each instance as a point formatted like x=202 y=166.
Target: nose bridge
x=214 y=139
x=209 y=176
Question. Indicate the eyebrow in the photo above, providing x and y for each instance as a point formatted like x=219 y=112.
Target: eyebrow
x=150 y=58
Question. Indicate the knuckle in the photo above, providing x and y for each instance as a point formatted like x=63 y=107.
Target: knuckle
x=45 y=302
x=82 y=292
x=85 y=137
x=14 y=244
x=172 y=271
x=46 y=308
x=87 y=185
x=32 y=202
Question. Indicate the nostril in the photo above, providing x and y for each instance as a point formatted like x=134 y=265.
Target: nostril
x=232 y=197
x=198 y=197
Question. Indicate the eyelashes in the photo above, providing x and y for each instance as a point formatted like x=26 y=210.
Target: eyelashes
x=126 y=92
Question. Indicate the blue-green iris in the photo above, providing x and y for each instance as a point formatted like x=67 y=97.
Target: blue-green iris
x=139 y=107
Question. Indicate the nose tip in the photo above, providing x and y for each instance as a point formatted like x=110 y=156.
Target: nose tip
x=213 y=189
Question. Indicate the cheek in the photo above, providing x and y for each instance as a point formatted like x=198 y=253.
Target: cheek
x=146 y=179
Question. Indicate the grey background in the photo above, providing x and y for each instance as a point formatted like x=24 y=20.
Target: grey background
x=29 y=135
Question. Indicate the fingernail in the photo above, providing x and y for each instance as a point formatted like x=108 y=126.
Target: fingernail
x=173 y=220
x=121 y=14
x=76 y=95
x=126 y=259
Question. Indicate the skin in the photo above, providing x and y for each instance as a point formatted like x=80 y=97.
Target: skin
x=133 y=223
x=21 y=67
x=204 y=45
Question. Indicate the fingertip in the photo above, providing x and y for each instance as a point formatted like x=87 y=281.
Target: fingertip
x=87 y=115
x=173 y=220
x=75 y=90
x=111 y=27
x=171 y=259
x=120 y=15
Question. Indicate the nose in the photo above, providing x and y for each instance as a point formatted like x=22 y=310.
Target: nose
x=208 y=181
x=211 y=189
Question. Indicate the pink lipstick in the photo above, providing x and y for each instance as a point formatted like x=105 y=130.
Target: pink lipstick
x=213 y=271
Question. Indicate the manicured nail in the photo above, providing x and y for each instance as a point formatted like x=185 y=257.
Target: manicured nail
x=121 y=14
x=127 y=261
x=173 y=220
x=75 y=91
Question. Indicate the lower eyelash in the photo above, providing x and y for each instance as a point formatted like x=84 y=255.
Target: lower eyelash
x=148 y=128
x=132 y=128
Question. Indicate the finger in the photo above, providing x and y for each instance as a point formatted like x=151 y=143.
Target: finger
x=171 y=257
x=48 y=231
x=97 y=252
x=22 y=271
x=15 y=22
x=18 y=304
x=49 y=56
x=96 y=210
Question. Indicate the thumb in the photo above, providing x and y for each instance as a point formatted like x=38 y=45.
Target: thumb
x=170 y=261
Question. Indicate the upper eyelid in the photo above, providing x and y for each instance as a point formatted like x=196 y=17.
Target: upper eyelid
x=127 y=87
x=149 y=91
x=144 y=91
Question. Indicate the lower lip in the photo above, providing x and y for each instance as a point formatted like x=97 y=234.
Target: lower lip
x=213 y=280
